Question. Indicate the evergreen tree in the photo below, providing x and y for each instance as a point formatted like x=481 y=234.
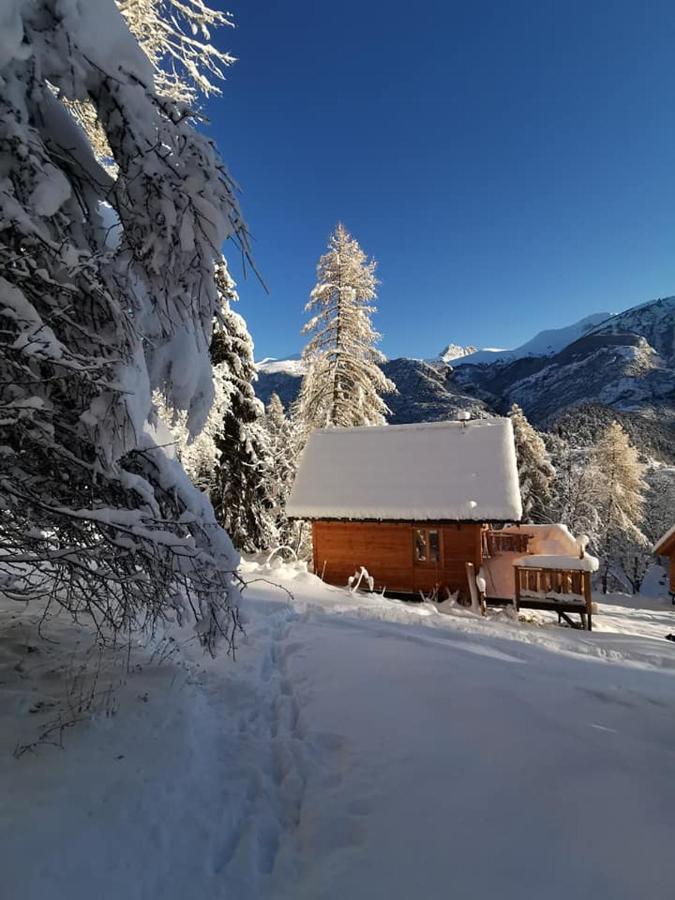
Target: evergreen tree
x=571 y=502
x=283 y=456
x=96 y=515
x=617 y=488
x=343 y=381
x=175 y=35
x=239 y=488
x=199 y=454
x=535 y=471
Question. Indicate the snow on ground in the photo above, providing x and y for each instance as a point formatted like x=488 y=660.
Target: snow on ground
x=359 y=747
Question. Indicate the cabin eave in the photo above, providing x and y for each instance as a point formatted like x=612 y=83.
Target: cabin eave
x=408 y=520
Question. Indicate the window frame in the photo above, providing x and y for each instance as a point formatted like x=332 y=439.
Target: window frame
x=426 y=531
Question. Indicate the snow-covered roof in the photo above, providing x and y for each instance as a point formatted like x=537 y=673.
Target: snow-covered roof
x=664 y=542
x=433 y=471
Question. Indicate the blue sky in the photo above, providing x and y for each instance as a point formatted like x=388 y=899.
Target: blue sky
x=511 y=165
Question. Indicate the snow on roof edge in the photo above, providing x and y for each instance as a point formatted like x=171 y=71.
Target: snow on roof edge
x=663 y=540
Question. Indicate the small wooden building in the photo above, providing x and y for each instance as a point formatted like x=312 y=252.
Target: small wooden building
x=411 y=503
x=666 y=547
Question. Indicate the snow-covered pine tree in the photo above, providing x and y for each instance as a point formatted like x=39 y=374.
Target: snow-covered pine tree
x=198 y=453
x=535 y=471
x=96 y=515
x=175 y=35
x=571 y=503
x=617 y=488
x=283 y=460
x=239 y=489
x=343 y=382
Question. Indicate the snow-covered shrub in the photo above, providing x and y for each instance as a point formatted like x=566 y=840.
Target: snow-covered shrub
x=361 y=576
x=95 y=514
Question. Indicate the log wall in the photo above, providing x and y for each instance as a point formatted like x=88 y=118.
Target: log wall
x=386 y=550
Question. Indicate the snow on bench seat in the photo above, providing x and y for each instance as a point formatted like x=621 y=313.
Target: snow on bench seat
x=566 y=563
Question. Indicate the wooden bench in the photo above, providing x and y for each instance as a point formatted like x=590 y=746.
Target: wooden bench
x=559 y=590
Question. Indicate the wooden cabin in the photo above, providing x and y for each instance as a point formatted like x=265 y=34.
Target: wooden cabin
x=666 y=547
x=411 y=503
x=429 y=508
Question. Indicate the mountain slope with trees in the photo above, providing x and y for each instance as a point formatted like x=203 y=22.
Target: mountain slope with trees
x=623 y=367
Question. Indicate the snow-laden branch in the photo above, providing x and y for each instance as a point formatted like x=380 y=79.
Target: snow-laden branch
x=107 y=295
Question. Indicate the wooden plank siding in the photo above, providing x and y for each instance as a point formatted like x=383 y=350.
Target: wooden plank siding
x=386 y=550
x=666 y=548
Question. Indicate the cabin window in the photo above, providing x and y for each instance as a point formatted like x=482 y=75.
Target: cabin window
x=427 y=545
x=420 y=545
x=434 y=546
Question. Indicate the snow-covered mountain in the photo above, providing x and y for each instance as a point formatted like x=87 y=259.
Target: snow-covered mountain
x=545 y=343
x=654 y=321
x=623 y=363
x=453 y=351
x=291 y=365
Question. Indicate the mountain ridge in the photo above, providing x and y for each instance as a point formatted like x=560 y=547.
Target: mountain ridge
x=623 y=363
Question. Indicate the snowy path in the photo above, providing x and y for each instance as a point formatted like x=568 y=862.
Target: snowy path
x=358 y=748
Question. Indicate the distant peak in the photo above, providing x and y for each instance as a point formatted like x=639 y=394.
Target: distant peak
x=545 y=343
x=291 y=365
x=455 y=351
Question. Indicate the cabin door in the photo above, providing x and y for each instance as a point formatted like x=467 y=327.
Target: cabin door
x=427 y=547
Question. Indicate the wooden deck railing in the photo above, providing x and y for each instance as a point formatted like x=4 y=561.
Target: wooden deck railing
x=496 y=542
x=561 y=590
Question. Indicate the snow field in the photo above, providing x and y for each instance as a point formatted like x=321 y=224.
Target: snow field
x=358 y=747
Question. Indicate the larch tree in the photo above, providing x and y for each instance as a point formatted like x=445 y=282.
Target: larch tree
x=239 y=488
x=343 y=383
x=618 y=487
x=535 y=470
x=97 y=515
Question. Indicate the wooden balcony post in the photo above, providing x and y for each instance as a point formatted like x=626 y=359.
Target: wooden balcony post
x=589 y=599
